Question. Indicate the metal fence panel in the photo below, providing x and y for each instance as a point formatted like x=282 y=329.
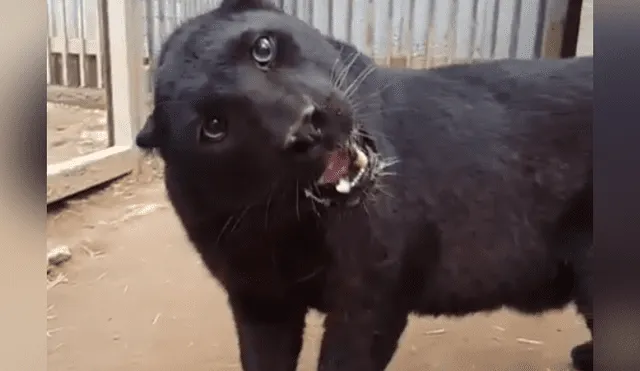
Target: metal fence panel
x=415 y=33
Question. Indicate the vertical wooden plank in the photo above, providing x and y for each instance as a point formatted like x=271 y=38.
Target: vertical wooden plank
x=145 y=38
x=150 y=42
x=321 y=16
x=177 y=20
x=571 y=29
x=407 y=37
x=197 y=7
x=192 y=10
x=504 y=24
x=420 y=32
x=65 y=43
x=202 y=4
x=74 y=18
x=180 y=11
x=554 y=21
x=481 y=30
x=69 y=19
x=72 y=40
x=175 y=5
x=90 y=20
x=48 y=61
x=494 y=27
x=464 y=29
x=525 y=48
x=540 y=27
x=104 y=74
x=381 y=31
x=360 y=25
x=340 y=17
x=173 y=12
x=396 y=59
x=515 y=28
x=330 y=13
x=83 y=43
x=125 y=50
x=51 y=18
x=584 y=46
x=190 y=13
x=101 y=66
x=157 y=26
x=474 y=28
x=303 y=10
x=166 y=20
x=439 y=48
x=289 y=6
x=452 y=31
x=50 y=28
x=431 y=27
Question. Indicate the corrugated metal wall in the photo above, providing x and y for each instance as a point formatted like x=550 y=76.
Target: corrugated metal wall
x=416 y=33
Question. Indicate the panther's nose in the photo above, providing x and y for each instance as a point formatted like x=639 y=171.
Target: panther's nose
x=306 y=133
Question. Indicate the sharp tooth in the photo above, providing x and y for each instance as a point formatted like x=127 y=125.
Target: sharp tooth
x=361 y=159
x=357 y=178
x=343 y=186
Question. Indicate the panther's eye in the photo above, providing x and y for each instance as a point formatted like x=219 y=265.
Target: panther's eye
x=213 y=130
x=264 y=51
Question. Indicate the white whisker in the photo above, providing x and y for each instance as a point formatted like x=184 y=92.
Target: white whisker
x=334 y=68
x=375 y=94
x=357 y=82
x=345 y=71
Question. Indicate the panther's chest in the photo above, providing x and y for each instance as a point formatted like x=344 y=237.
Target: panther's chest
x=269 y=262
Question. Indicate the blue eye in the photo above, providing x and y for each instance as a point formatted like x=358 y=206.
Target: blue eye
x=263 y=51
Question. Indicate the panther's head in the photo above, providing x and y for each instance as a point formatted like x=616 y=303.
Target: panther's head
x=248 y=98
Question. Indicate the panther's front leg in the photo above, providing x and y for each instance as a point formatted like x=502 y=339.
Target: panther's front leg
x=347 y=342
x=367 y=306
x=269 y=334
x=364 y=340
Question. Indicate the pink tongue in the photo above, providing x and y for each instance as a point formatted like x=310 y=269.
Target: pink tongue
x=337 y=167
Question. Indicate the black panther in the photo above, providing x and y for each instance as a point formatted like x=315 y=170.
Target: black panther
x=307 y=177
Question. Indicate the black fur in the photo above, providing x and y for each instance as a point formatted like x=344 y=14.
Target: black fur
x=489 y=204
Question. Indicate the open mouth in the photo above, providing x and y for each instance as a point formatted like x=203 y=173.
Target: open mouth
x=345 y=168
x=350 y=173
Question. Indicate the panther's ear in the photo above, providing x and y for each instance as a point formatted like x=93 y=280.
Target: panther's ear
x=149 y=137
x=242 y=5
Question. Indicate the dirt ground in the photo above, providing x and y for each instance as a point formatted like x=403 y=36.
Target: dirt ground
x=74 y=131
x=135 y=297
